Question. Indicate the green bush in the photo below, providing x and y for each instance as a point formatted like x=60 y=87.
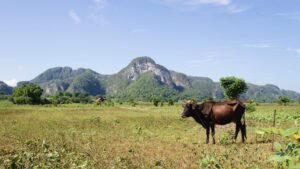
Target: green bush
x=27 y=94
x=250 y=107
x=22 y=100
x=283 y=100
x=233 y=87
x=68 y=98
x=170 y=102
x=156 y=102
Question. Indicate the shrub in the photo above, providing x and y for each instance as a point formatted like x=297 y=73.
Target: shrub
x=283 y=100
x=156 y=102
x=27 y=94
x=170 y=102
x=250 y=107
x=233 y=87
x=67 y=98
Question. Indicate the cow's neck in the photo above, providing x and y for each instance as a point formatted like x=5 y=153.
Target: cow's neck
x=199 y=117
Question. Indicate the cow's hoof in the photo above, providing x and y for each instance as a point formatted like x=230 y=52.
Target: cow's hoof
x=233 y=141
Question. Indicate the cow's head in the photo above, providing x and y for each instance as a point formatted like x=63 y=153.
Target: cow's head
x=189 y=108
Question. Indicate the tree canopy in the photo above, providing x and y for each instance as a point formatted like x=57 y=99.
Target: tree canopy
x=27 y=94
x=283 y=100
x=233 y=87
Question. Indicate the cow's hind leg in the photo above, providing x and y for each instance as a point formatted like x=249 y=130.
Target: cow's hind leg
x=237 y=130
x=207 y=135
x=243 y=130
x=213 y=133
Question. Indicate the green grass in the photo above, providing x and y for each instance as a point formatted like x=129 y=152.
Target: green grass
x=87 y=136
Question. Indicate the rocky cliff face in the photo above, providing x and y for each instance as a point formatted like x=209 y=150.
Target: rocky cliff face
x=54 y=87
x=180 y=79
x=145 y=64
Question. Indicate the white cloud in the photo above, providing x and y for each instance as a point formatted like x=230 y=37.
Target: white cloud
x=237 y=8
x=297 y=51
x=96 y=14
x=199 y=2
x=258 y=45
x=196 y=2
x=228 y=5
x=286 y=13
x=289 y=15
x=12 y=82
x=100 y=3
x=74 y=17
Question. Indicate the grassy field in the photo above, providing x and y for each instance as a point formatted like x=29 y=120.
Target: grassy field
x=89 y=136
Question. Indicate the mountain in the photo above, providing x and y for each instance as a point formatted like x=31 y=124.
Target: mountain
x=5 y=89
x=144 y=79
x=61 y=79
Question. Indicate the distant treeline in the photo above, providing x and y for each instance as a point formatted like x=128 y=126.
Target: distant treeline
x=32 y=94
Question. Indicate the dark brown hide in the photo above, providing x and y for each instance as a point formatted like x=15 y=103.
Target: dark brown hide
x=210 y=113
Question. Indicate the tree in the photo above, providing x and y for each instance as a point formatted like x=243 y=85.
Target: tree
x=299 y=100
x=170 y=102
x=283 y=100
x=27 y=94
x=233 y=87
x=156 y=101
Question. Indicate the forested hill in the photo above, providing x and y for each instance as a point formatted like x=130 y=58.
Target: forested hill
x=5 y=89
x=144 y=79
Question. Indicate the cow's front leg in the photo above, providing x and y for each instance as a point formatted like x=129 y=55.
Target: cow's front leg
x=213 y=133
x=207 y=135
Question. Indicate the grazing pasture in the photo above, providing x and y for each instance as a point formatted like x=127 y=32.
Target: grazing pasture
x=122 y=136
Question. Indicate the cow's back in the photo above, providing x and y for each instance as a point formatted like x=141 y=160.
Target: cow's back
x=223 y=113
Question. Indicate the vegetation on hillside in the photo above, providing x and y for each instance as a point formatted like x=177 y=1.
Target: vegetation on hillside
x=169 y=84
x=5 y=89
x=86 y=83
x=146 y=88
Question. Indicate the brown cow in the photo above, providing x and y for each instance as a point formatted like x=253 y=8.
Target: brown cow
x=208 y=114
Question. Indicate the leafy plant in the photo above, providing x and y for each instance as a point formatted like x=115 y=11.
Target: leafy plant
x=285 y=156
x=226 y=137
x=209 y=161
x=289 y=155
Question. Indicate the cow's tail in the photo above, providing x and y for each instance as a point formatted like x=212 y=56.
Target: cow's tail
x=243 y=128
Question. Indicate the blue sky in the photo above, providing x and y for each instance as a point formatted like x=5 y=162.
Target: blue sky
x=256 y=40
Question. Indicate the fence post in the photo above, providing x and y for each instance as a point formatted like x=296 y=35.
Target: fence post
x=274 y=123
x=274 y=118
